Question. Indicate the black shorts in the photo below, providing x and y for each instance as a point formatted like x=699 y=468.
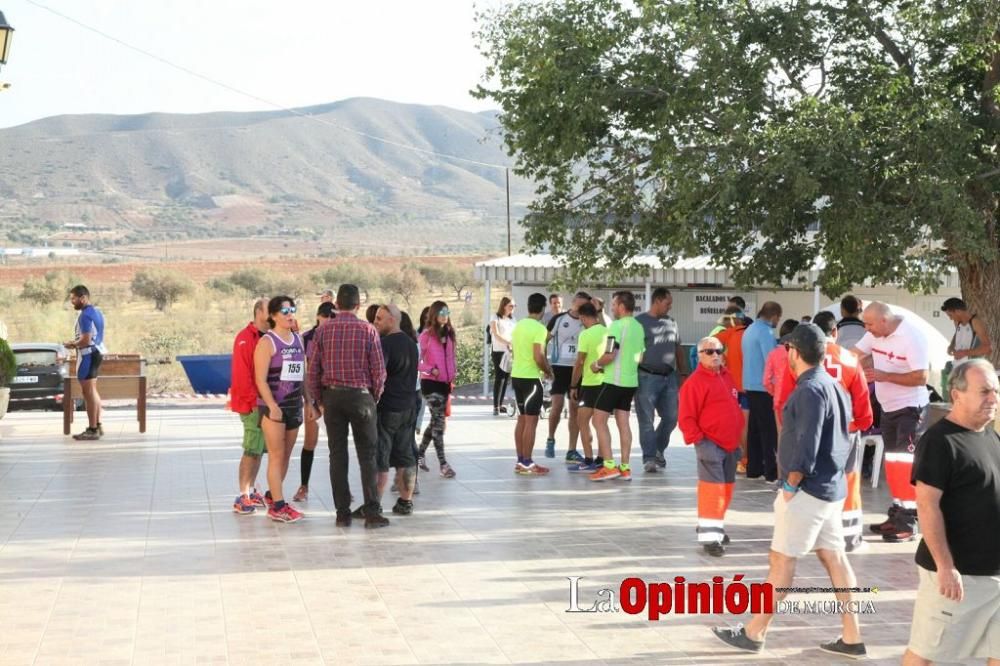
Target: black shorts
x=612 y=398
x=290 y=416
x=588 y=396
x=395 y=440
x=562 y=377
x=528 y=393
x=89 y=364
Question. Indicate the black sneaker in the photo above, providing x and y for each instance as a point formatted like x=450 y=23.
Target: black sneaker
x=715 y=549
x=852 y=650
x=737 y=637
x=660 y=461
x=358 y=513
x=883 y=527
x=402 y=507
x=373 y=522
x=343 y=520
x=899 y=537
x=89 y=434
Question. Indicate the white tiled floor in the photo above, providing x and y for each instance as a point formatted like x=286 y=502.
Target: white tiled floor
x=126 y=551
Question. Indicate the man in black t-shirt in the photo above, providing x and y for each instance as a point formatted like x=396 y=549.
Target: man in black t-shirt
x=395 y=408
x=957 y=475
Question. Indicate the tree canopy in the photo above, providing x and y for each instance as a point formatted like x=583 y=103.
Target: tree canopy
x=768 y=134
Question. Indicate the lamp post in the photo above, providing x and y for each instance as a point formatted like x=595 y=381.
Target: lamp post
x=6 y=31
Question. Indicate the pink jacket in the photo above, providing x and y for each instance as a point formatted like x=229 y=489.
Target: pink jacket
x=435 y=355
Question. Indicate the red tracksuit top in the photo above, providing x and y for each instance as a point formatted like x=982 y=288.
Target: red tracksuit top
x=709 y=409
x=242 y=387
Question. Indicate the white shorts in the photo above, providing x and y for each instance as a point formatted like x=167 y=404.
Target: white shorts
x=804 y=524
x=945 y=630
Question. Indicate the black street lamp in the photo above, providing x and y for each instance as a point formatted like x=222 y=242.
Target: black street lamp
x=6 y=31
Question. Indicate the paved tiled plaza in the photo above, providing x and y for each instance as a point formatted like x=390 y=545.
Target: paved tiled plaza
x=126 y=551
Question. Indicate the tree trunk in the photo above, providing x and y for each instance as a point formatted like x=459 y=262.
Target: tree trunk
x=980 y=282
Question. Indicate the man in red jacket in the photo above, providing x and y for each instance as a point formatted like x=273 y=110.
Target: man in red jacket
x=243 y=401
x=843 y=366
x=710 y=417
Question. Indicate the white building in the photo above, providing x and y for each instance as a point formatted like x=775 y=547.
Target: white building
x=700 y=291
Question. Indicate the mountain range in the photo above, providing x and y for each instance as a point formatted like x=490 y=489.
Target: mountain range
x=361 y=170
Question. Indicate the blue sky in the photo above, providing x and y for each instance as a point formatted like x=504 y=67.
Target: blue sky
x=293 y=53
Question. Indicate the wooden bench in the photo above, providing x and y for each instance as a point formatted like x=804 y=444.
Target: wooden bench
x=121 y=377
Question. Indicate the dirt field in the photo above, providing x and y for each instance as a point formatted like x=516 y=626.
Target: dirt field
x=95 y=273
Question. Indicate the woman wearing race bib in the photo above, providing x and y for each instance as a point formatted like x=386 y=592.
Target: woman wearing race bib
x=279 y=370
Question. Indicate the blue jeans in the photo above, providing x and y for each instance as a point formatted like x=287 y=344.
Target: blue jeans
x=656 y=394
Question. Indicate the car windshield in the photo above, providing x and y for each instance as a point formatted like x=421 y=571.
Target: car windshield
x=35 y=358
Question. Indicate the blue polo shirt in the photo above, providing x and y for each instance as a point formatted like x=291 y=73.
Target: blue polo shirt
x=814 y=439
x=758 y=341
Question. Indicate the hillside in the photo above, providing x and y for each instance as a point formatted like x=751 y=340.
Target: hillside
x=124 y=180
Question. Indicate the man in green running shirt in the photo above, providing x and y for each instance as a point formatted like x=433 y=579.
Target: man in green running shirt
x=529 y=364
x=623 y=350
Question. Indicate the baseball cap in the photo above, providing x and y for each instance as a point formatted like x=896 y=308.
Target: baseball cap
x=805 y=337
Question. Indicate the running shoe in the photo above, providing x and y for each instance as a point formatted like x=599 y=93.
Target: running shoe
x=550 y=447
x=737 y=637
x=302 y=494
x=524 y=470
x=447 y=472
x=584 y=468
x=243 y=505
x=87 y=435
x=538 y=470
x=286 y=514
x=605 y=474
x=625 y=473
x=715 y=549
x=268 y=500
x=258 y=499
x=839 y=647
x=402 y=507
x=573 y=457
x=650 y=467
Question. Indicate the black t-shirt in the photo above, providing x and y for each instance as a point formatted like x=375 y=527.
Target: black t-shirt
x=965 y=465
x=400 y=352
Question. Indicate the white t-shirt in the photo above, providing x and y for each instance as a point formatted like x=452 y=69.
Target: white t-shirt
x=565 y=330
x=905 y=350
x=505 y=325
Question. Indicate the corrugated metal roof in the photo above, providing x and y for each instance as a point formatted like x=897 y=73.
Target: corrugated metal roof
x=545 y=269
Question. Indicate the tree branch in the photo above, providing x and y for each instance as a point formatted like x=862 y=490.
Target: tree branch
x=795 y=83
x=883 y=38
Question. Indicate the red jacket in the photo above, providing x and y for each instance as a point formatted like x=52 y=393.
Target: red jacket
x=844 y=367
x=709 y=409
x=242 y=386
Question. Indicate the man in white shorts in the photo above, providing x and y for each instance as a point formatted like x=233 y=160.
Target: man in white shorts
x=957 y=614
x=807 y=512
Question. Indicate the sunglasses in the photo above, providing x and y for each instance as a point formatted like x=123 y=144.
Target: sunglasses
x=444 y=313
x=288 y=311
x=711 y=351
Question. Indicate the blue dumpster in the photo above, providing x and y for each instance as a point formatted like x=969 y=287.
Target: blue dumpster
x=208 y=373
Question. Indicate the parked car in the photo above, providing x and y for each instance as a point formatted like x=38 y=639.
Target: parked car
x=41 y=375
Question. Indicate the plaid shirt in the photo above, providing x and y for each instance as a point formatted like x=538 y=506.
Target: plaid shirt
x=346 y=351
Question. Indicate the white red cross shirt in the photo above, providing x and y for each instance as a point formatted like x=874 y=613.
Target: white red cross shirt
x=904 y=350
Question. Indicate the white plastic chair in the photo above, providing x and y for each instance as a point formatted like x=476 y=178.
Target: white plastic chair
x=876 y=441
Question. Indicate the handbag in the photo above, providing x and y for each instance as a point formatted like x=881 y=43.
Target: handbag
x=506 y=362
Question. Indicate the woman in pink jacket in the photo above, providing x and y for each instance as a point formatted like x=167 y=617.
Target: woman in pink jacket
x=437 y=373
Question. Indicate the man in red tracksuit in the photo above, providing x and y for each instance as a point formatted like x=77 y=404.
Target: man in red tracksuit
x=710 y=417
x=243 y=401
x=843 y=366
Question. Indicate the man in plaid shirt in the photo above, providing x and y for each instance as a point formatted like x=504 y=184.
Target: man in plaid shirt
x=345 y=376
